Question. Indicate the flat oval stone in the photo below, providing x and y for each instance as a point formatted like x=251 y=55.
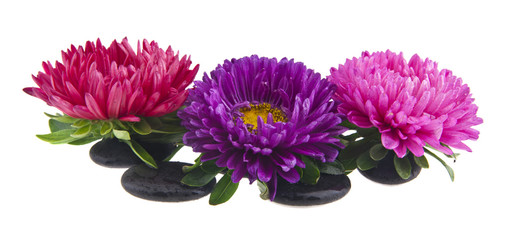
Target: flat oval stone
x=115 y=154
x=162 y=184
x=386 y=173
x=329 y=188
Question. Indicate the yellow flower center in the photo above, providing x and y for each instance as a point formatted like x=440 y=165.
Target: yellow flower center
x=251 y=114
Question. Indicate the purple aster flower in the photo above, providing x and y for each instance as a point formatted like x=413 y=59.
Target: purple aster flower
x=257 y=116
x=411 y=104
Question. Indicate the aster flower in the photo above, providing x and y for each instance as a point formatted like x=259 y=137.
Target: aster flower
x=261 y=118
x=112 y=91
x=411 y=105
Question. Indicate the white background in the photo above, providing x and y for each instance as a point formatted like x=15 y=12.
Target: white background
x=57 y=192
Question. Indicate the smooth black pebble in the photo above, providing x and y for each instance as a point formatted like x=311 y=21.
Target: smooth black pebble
x=162 y=184
x=115 y=154
x=386 y=173
x=329 y=188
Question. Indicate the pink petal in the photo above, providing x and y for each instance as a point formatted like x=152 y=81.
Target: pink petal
x=400 y=150
x=151 y=102
x=63 y=105
x=74 y=94
x=36 y=92
x=130 y=118
x=459 y=145
x=114 y=101
x=358 y=119
x=94 y=107
x=390 y=140
x=83 y=112
x=414 y=147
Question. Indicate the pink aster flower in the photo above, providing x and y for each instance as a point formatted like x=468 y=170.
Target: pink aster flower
x=411 y=104
x=99 y=83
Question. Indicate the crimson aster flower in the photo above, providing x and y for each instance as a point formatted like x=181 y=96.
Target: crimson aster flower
x=258 y=116
x=100 y=83
x=411 y=104
x=114 y=91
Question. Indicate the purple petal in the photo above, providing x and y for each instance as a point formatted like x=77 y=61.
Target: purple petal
x=238 y=174
x=265 y=170
x=272 y=186
x=292 y=176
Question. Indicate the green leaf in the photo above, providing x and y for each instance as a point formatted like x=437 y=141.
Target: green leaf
x=55 y=125
x=141 y=152
x=142 y=127
x=378 y=152
x=352 y=151
x=83 y=141
x=454 y=155
x=447 y=167
x=95 y=132
x=264 y=190
x=170 y=129
x=154 y=122
x=311 y=173
x=403 y=166
x=352 y=137
x=333 y=168
x=211 y=167
x=162 y=138
x=198 y=177
x=223 y=190
x=175 y=151
x=60 y=118
x=175 y=138
x=450 y=171
x=51 y=115
x=197 y=163
x=365 y=132
x=119 y=125
x=364 y=162
x=58 y=137
x=299 y=170
x=421 y=161
x=82 y=132
x=80 y=123
x=348 y=164
x=121 y=134
x=106 y=128
x=346 y=123
x=170 y=117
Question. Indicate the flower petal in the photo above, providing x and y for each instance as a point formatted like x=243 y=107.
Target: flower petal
x=390 y=140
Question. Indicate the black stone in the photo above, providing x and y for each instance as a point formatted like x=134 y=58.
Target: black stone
x=162 y=184
x=116 y=154
x=386 y=173
x=329 y=188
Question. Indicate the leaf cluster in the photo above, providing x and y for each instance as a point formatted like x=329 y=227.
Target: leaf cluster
x=201 y=173
x=166 y=129
x=364 y=150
